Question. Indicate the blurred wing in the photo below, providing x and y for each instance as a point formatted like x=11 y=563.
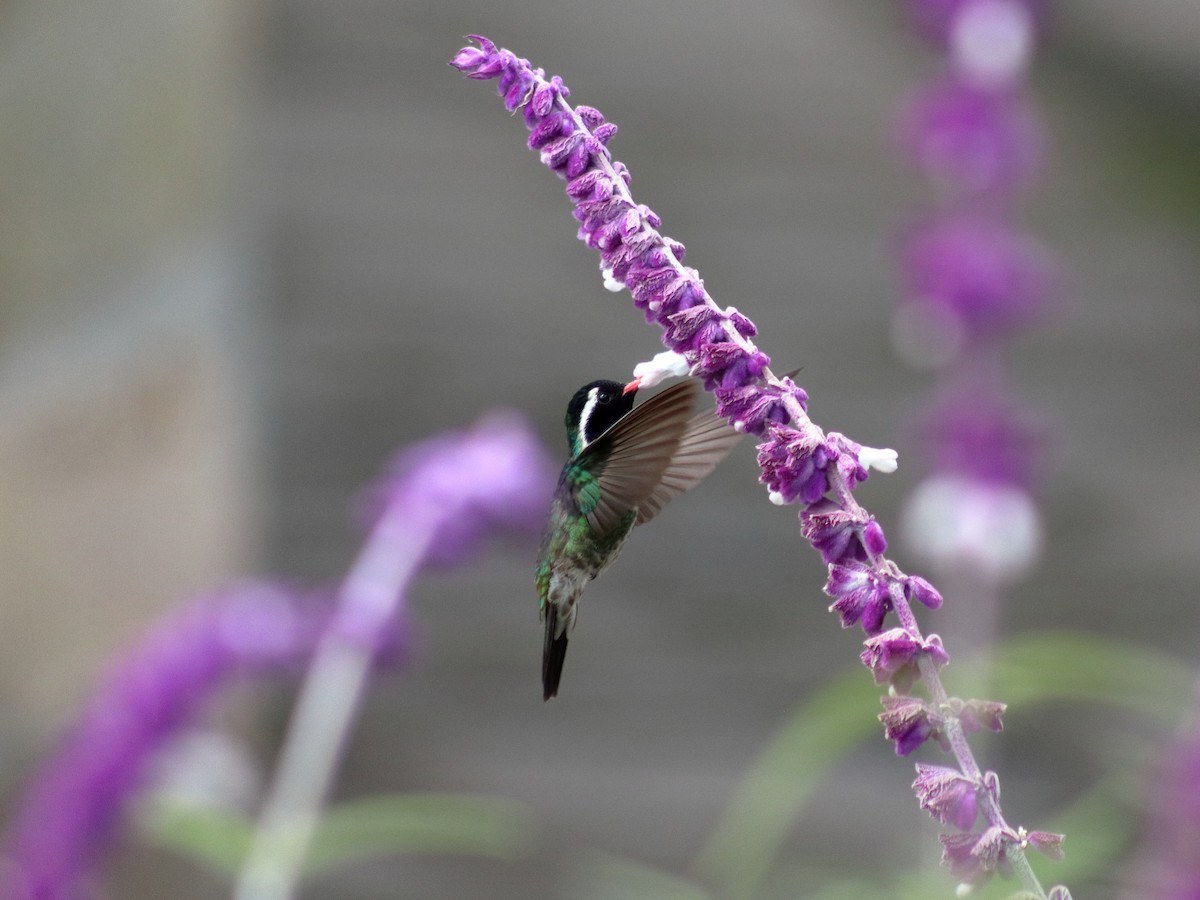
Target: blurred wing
x=630 y=458
x=706 y=441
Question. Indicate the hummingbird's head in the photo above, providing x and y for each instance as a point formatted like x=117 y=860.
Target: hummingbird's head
x=595 y=408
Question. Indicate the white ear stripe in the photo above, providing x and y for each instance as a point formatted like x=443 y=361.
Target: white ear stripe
x=586 y=415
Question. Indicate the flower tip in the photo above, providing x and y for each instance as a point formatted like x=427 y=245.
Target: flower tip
x=471 y=57
x=873 y=539
x=777 y=498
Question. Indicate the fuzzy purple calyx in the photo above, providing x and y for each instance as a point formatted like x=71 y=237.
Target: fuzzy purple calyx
x=893 y=656
x=973 y=857
x=910 y=722
x=976 y=715
x=947 y=795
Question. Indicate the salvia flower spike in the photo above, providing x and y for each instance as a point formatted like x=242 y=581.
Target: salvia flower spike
x=972 y=279
x=800 y=463
x=74 y=802
x=437 y=502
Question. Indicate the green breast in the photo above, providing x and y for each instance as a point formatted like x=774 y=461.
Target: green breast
x=570 y=544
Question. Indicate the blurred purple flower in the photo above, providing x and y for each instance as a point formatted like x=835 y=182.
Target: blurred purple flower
x=465 y=486
x=71 y=804
x=971 y=279
x=973 y=139
x=982 y=434
x=935 y=19
x=447 y=492
x=977 y=270
x=438 y=500
x=1168 y=867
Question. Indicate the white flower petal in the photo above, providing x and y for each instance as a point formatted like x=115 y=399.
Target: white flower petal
x=880 y=459
x=667 y=364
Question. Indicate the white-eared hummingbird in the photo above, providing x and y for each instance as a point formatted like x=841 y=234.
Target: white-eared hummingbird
x=626 y=463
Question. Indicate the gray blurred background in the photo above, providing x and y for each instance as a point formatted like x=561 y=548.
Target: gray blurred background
x=249 y=249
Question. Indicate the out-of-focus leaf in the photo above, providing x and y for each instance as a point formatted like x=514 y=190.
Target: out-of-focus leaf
x=217 y=838
x=403 y=823
x=607 y=877
x=787 y=772
x=1098 y=827
x=1074 y=666
x=419 y=823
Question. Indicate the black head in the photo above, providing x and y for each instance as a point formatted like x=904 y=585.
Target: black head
x=594 y=409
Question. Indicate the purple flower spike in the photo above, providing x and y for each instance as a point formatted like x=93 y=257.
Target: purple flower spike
x=976 y=139
x=72 y=804
x=893 y=655
x=947 y=795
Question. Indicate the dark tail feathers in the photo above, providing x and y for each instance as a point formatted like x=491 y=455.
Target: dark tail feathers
x=554 y=651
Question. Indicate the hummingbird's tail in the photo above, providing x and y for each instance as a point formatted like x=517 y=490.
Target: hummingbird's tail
x=554 y=651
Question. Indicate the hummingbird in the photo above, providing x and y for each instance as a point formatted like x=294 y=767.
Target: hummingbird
x=625 y=464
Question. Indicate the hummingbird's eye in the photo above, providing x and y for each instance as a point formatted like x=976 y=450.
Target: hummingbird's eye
x=605 y=397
